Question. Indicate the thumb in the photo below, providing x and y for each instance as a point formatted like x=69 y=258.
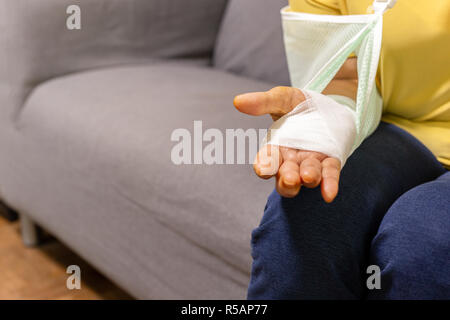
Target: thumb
x=276 y=101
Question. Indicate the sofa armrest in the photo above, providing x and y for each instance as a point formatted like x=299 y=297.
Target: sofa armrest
x=36 y=45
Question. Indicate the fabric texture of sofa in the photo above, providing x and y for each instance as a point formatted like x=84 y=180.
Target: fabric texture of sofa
x=86 y=118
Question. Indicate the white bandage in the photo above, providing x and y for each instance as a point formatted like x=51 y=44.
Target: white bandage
x=316 y=48
x=318 y=124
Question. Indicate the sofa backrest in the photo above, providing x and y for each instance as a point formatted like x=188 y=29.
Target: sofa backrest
x=36 y=45
x=250 y=41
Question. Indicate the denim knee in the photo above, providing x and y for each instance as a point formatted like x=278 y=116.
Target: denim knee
x=305 y=248
x=302 y=250
x=412 y=246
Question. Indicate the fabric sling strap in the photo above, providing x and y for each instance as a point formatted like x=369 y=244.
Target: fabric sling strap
x=316 y=48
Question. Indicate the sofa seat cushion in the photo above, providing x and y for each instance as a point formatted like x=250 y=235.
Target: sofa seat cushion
x=103 y=137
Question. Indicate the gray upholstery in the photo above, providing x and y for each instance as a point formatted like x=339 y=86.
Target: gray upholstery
x=85 y=124
x=250 y=41
x=97 y=173
x=37 y=45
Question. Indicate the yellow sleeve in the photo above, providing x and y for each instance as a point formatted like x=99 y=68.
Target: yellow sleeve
x=334 y=7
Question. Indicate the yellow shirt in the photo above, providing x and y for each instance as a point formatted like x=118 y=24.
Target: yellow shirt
x=414 y=68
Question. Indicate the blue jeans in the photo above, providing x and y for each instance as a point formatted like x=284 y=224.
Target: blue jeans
x=392 y=210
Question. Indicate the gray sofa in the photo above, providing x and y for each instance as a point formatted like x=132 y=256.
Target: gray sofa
x=86 y=118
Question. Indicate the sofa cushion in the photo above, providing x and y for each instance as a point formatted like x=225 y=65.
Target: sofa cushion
x=35 y=44
x=250 y=41
x=95 y=169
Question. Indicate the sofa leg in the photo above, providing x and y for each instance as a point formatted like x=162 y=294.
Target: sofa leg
x=30 y=231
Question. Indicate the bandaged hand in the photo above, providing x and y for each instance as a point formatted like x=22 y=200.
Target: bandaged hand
x=318 y=128
x=316 y=157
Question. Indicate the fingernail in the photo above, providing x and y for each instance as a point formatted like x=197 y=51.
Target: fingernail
x=265 y=170
x=239 y=96
x=264 y=162
x=288 y=182
x=307 y=178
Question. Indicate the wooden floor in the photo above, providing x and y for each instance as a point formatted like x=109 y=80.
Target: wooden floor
x=40 y=273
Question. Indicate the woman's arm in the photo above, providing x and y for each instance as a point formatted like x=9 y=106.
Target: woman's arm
x=345 y=83
x=294 y=168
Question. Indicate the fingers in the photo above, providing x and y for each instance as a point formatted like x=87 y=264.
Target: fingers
x=294 y=168
x=277 y=101
x=288 y=179
x=311 y=172
x=310 y=167
x=289 y=154
x=302 y=155
x=331 y=168
x=267 y=161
